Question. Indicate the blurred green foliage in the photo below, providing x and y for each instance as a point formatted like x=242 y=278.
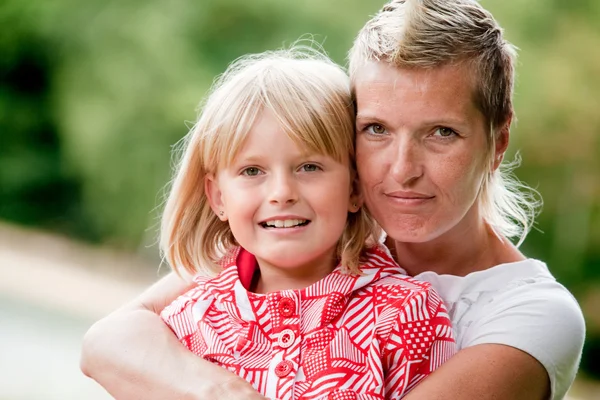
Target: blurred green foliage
x=93 y=95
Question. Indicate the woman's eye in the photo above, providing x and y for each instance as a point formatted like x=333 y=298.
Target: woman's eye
x=376 y=129
x=251 y=171
x=444 y=132
x=310 y=168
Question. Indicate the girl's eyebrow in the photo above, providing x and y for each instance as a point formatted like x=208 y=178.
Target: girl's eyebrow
x=240 y=158
x=255 y=159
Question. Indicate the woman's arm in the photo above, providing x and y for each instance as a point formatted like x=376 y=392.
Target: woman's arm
x=486 y=372
x=134 y=355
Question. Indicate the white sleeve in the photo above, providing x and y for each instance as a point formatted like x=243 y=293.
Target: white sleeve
x=540 y=318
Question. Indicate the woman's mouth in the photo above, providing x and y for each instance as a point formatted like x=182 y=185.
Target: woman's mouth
x=404 y=195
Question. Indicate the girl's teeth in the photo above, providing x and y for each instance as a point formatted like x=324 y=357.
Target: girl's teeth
x=288 y=223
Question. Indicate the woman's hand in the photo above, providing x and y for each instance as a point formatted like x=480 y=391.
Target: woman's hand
x=134 y=355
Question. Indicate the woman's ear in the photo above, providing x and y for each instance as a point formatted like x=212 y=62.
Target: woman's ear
x=214 y=196
x=501 y=143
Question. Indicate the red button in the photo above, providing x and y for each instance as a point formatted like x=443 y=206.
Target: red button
x=284 y=368
x=287 y=307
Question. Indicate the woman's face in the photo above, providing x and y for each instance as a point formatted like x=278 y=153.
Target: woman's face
x=421 y=149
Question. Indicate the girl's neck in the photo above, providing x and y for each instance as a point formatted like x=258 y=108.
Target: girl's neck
x=466 y=248
x=274 y=278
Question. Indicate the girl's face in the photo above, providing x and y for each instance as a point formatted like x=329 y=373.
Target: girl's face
x=421 y=149
x=284 y=205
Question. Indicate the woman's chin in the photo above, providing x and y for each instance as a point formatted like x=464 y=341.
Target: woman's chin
x=410 y=232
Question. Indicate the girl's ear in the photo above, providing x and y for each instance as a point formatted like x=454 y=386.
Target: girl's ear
x=356 y=199
x=213 y=194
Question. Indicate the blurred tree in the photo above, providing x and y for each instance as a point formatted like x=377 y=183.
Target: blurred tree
x=34 y=188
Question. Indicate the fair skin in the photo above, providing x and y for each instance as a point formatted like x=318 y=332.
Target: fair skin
x=284 y=204
x=420 y=154
x=422 y=157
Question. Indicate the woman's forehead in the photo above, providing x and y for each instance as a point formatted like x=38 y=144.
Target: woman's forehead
x=384 y=92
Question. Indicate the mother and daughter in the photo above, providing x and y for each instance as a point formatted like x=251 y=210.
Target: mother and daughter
x=307 y=302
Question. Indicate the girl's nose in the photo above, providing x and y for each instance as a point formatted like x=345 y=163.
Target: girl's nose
x=283 y=189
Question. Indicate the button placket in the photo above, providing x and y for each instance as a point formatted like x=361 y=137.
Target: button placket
x=284 y=310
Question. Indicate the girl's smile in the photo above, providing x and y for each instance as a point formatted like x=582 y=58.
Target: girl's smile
x=285 y=222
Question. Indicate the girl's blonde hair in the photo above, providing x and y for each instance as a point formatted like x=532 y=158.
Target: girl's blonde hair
x=432 y=33
x=310 y=97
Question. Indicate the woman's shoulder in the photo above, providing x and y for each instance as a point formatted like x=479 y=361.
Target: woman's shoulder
x=529 y=274
x=520 y=305
x=521 y=294
x=524 y=289
x=536 y=315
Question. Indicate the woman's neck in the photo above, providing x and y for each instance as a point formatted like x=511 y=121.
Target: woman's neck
x=462 y=250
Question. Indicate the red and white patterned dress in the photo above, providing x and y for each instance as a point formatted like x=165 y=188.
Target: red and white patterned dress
x=372 y=336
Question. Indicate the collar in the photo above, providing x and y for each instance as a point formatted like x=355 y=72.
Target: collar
x=246 y=267
x=327 y=297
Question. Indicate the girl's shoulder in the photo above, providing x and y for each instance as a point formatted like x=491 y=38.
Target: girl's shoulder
x=393 y=286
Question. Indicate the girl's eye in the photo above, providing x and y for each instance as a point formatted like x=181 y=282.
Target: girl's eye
x=376 y=129
x=444 y=132
x=310 y=168
x=251 y=171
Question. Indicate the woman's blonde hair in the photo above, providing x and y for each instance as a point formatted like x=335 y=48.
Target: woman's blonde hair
x=310 y=97
x=433 y=33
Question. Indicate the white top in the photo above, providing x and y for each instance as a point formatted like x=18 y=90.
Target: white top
x=521 y=305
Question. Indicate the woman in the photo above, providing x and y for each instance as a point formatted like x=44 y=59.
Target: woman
x=433 y=83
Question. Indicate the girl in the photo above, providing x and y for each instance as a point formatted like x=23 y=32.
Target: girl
x=267 y=177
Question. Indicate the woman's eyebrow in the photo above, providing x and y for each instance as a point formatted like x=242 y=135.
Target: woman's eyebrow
x=368 y=117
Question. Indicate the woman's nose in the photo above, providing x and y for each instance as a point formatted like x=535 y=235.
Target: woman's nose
x=407 y=164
